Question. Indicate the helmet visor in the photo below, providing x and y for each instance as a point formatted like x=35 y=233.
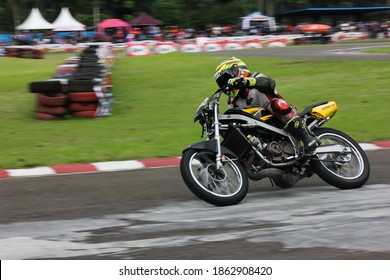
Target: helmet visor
x=226 y=75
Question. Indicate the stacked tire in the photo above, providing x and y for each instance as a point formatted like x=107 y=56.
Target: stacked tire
x=65 y=71
x=81 y=87
x=83 y=99
x=24 y=52
x=51 y=102
x=87 y=94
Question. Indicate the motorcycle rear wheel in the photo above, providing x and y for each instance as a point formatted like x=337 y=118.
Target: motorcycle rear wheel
x=224 y=187
x=342 y=170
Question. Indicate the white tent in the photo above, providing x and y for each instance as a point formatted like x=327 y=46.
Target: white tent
x=35 y=21
x=257 y=18
x=66 y=22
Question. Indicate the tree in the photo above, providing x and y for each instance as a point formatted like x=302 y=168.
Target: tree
x=14 y=6
x=170 y=12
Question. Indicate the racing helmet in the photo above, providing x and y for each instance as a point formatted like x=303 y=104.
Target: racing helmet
x=230 y=68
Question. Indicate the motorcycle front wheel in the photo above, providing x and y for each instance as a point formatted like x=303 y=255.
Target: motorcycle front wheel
x=223 y=187
x=346 y=170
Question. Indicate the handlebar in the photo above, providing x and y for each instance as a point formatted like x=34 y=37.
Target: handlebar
x=224 y=89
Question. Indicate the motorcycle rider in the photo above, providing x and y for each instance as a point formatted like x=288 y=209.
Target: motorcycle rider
x=256 y=89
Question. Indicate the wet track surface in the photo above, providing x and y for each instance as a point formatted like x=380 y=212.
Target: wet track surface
x=150 y=214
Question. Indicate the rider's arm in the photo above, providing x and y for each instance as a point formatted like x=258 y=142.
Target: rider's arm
x=262 y=83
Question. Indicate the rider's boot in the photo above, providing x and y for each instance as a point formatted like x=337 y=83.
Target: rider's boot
x=297 y=127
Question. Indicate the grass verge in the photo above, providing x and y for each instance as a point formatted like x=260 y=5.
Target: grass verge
x=155 y=99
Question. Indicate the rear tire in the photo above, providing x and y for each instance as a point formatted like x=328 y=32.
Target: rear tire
x=350 y=174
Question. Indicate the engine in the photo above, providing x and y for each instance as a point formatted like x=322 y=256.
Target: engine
x=278 y=151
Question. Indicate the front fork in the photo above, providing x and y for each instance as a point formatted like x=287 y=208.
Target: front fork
x=217 y=136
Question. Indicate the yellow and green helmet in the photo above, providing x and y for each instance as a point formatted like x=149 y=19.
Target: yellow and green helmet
x=230 y=68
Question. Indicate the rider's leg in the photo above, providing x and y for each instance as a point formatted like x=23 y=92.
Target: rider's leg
x=297 y=127
x=294 y=124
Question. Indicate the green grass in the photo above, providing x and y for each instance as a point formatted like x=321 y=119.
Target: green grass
x=155 y=99
x=378 y=50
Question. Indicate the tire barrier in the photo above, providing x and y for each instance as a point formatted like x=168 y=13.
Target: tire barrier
x=46 y=117
x=46 y=87
x=83 y=97
x=86 y=114
x=52 y=110
x=52 y=100
x=81 y=87
x=23 y=52
x=72 y=60
x=65 y=71
x=83 y=106
x=53 y=106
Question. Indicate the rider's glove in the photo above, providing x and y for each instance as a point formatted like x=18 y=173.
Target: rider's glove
x=239 y=82
x=236 y=83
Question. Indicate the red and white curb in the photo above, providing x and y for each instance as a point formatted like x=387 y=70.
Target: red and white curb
x=124 y=165
x=375 y=146
x=91 y=167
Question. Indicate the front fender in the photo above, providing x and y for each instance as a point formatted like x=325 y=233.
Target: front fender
x=210 y=145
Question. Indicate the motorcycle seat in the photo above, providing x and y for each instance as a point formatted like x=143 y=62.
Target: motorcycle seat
x=308 y=109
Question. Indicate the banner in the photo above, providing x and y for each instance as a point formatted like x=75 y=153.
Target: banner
x=190 y=48
x=138 y=50
x=167 y=47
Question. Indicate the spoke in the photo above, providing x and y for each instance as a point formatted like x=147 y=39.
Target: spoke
x=343 y=165
x=223 y=182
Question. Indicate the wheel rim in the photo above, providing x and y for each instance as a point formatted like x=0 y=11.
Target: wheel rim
x=223 y=183
x=344 y=165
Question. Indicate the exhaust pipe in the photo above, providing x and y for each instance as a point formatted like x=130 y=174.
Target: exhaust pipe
x=280 y=178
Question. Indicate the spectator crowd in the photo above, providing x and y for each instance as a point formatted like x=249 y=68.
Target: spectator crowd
x=373 y=29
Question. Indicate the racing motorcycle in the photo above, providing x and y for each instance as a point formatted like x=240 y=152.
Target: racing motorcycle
x=243 y=144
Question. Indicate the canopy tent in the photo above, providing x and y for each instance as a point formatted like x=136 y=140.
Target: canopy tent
x=112 y=23
x=66 y=22
x=35 y=21
x=143 y=19
x=257 y=18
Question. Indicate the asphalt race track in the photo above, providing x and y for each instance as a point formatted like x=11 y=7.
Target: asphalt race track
x=341 y=51
x=150 y=214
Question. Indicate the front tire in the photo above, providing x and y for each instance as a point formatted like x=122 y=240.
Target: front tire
x=224 y=187
x=342 y=170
